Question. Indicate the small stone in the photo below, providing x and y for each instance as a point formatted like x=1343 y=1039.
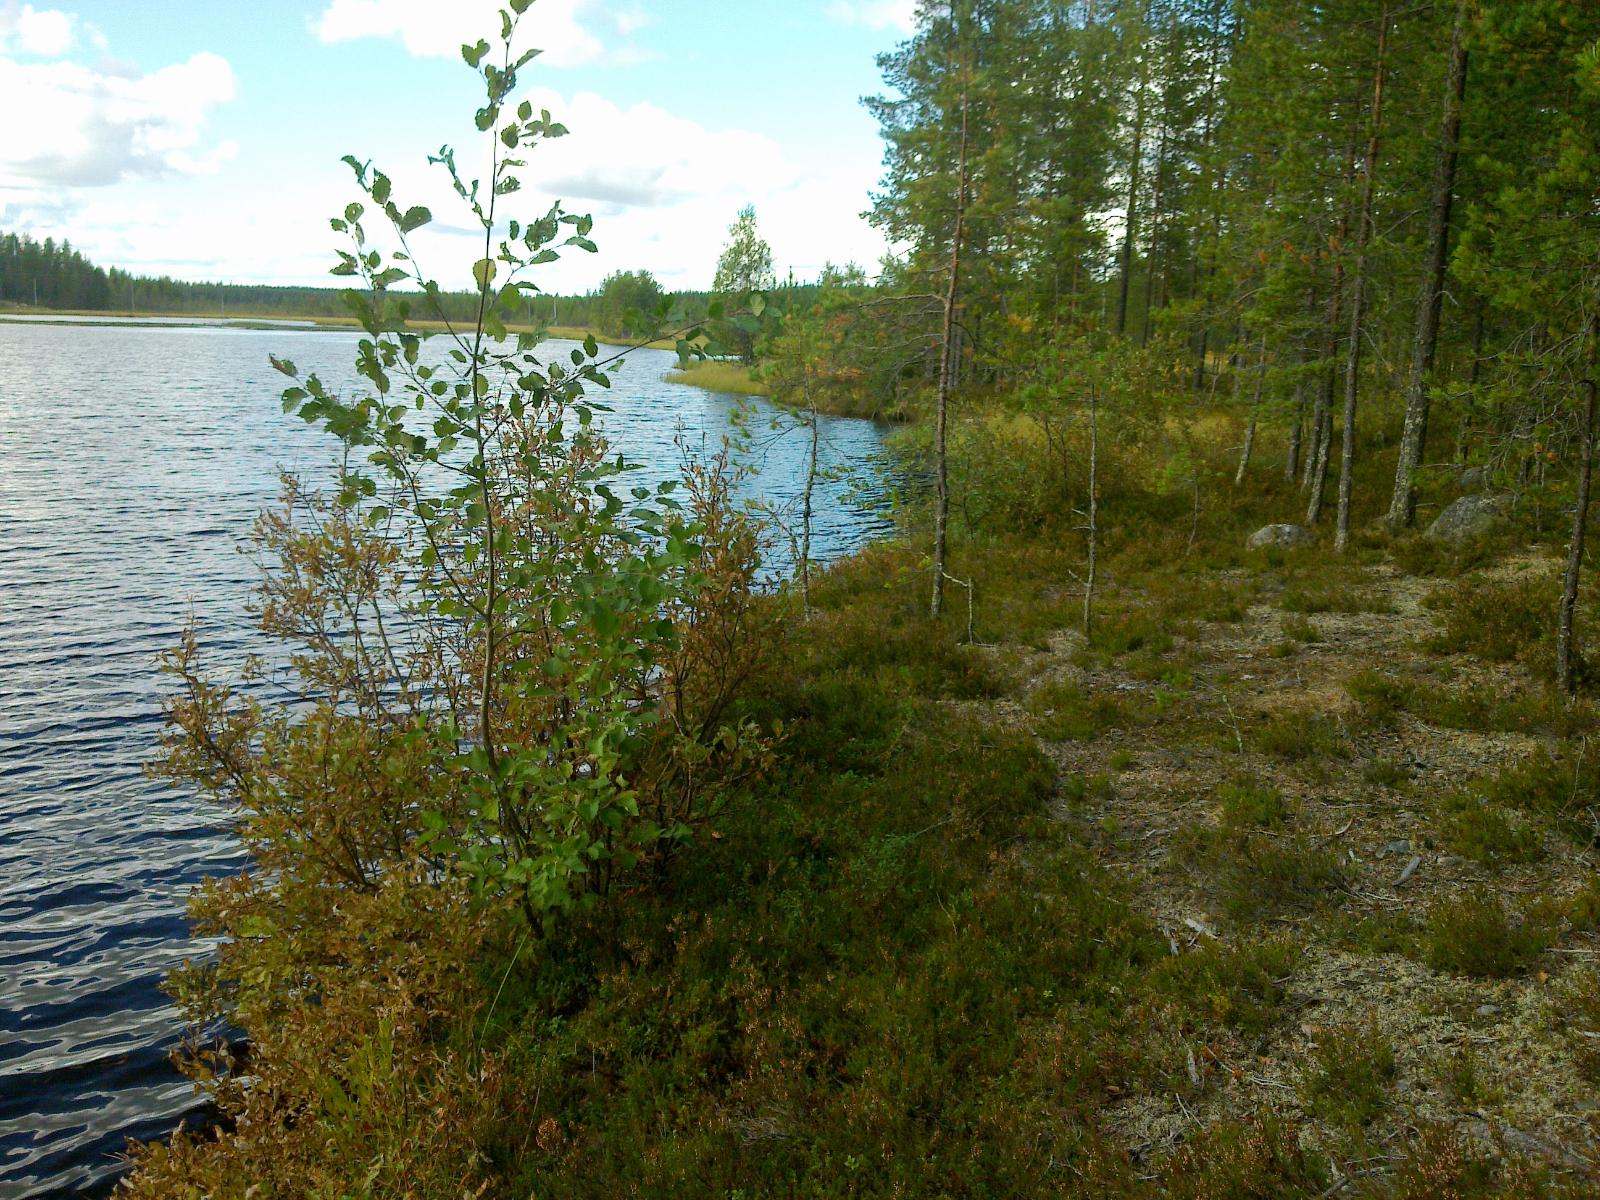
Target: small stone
x=1468 y=517
x=1402 y=846
x=1281 y=535
x=1487 y=1010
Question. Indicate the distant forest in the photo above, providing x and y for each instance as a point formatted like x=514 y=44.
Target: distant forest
x=51 y=274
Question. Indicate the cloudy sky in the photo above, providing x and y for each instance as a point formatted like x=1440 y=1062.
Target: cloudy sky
x=201 y=138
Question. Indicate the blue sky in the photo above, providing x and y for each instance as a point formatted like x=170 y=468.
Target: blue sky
x=202 y=140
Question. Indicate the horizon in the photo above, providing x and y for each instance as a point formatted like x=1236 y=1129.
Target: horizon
x=164 y=142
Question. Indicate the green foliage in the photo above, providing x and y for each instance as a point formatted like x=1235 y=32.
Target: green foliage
x=1334 y=597
x=1240 y=983
x=1441 y=1164
x=631 y=305
x=1246 y=805
x=1255 y=876
x=1473 y=934
x=1498 y=620
x=1262 y=1156
x=1298 y=734
x=1063 y=712
x=1348 y=1078
x=1486 y=835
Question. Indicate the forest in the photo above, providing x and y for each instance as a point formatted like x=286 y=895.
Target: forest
x=1196 y=799
x=50 y=276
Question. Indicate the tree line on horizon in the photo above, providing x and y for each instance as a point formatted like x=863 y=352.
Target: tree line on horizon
x=55 y=275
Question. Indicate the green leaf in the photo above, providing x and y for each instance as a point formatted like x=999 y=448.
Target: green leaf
x=380 y=187
x=473 y=55
x=415 y=218
x=484 y=272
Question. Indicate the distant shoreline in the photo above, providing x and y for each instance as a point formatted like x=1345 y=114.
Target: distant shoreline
x=26 y=315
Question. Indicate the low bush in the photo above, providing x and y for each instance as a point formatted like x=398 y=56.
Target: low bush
x=1241 y=983
x=1473 y=934
x=1347 y=1080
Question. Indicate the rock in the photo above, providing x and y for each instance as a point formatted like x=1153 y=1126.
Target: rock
x=1488 y=1010
x=1473 y=479
x=1468 y=517
x=1281 y=535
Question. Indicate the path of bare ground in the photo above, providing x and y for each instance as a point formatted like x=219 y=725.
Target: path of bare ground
x=1252 y=794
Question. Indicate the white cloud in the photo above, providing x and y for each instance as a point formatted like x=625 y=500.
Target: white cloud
x=643 y=156
x=88 y=127
x=563 y=29
x=875 y=14
x=41 y=33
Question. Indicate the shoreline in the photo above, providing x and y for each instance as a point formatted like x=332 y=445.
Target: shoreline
x=263 y=321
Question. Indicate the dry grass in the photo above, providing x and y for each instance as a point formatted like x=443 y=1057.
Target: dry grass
x=717 y=376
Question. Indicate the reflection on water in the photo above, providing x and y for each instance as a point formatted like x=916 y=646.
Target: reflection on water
x=132 y=460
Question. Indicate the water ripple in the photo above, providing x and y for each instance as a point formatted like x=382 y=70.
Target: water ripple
x=132 y=462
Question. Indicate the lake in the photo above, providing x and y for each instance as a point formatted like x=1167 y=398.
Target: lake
x=132 y=462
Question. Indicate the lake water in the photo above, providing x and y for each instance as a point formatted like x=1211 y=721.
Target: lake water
x=132 y=461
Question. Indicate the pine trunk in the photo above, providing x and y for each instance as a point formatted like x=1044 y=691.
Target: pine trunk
x=947 y=368
x=1358 y=293
x=1430 y=298
x=1580 y=523
x=1255 y=413
x=1130 y=223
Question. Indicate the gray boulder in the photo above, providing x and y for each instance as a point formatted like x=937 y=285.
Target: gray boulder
x=1473 y=479
x=1468 y=517
x=1285 y=536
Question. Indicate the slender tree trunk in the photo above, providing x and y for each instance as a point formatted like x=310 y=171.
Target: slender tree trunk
x=1464 y=426
x=1580 y=521
x=1208 y=141
x=1322 y=409
x=1430 y=298
x=1316 y=476
x=1155 y=237
x=1130 y=224
x=806 y=499
x=1094 y=510
x=1358 y=292
x=1255 y=414
x=1291 y=460
x=947 y=367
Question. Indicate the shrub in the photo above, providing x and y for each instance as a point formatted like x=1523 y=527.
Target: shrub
x=1299 y=629
x=1300 y=734
x=1239 y=983
x=1261 y=1156
x=1127 y=630
x=1246 y=805
x=1338 y=597
x=1498 y=620
x=1062 y=712
x=1474 y=935
x=1349 y=1074
x=1484 y=834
